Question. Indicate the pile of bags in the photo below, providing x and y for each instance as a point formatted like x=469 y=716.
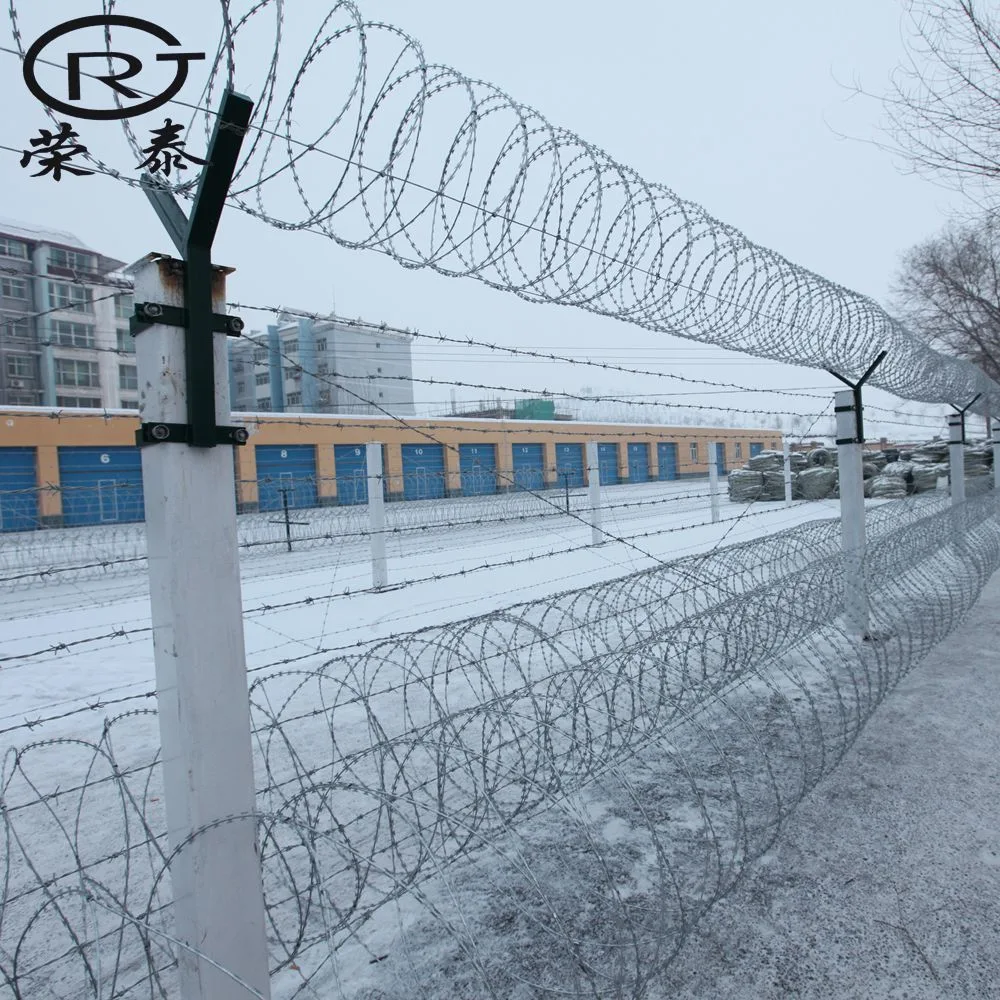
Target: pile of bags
x=887 y=474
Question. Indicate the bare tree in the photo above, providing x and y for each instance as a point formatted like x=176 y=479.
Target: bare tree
x=944 y=103
x=948 y=292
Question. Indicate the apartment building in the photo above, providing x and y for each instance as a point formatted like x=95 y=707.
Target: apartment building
x=323 y=366
x=64 y=312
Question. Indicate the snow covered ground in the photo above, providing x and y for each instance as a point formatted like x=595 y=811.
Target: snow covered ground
x=301 y=606
x=39 y=617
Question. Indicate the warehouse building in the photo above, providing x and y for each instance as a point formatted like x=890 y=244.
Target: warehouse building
x=74 y=467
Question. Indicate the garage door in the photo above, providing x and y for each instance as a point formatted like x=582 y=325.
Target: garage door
x=569 y=464
x=666 y=456
x=607 y=458
x=529 y=461
x=18 y=492
x=638 y=462
x=350 y=463
x=286 y=468
x=101 y=485
x=478 y=465
x=423 y=471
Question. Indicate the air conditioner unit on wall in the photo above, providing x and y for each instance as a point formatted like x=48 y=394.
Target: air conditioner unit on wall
x=17 y=383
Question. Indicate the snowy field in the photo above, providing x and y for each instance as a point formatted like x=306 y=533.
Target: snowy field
x=309 y=609
x=36 y=618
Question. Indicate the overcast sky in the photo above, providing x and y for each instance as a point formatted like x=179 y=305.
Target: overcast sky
x=740 y=107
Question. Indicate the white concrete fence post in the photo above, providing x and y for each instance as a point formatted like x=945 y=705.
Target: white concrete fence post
x=956 y=458
x=852 y=514
x=201 y=678
x=713 y=479
x=376 y=514
x=787 y=451
x=594 y=486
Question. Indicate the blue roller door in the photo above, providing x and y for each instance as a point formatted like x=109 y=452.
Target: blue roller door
x=756 y=447
x=666 y=456
x=423 y=471
x=478 y=465
x=101 y=485
x=18 y=492
x=638 y=463
x=286 y=467
x=720 y=457
x=350 y=463
x=529 y=461
x=607 y=458
x=569 y=464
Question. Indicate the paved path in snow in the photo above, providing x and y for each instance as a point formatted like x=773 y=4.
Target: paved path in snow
x=886 y=881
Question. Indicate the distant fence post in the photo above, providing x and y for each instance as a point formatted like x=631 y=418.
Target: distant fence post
x=376 y=514
x=713 y=478
x=956 y=456
x=852 y=511
x=196 y=606
x=787 y=451
x=594 y=483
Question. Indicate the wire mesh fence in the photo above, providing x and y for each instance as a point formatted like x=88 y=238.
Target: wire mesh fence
x=540 y=801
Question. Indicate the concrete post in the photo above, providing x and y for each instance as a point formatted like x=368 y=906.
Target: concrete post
x=276 y=371
x=786 y=449
x=713 y=479
x=594 y=484
x=852 y=514
x=956 y=458
x=201 y=680
x=376 y=513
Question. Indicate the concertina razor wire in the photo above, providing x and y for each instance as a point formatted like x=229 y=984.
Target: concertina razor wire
x=540 y=801
x=438 y=170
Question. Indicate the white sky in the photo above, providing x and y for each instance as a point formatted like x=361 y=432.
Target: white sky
x=737 y=106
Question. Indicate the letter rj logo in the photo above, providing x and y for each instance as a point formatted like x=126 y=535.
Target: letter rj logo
x=77 y=67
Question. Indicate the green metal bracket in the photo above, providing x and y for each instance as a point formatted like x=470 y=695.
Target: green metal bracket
x=194 y=238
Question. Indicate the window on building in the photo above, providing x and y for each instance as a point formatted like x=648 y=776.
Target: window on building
x=293 y=371
x=79 y=402
x=15 y=328
x=263 y=404
x=380 y=395
x=739 y=449
x=68 y=334
x=80 y=373
x=377 y=344
x=237 y=367
x=23 y=398
x=74 y=297
x=20 y=366
x=320 y=344
x=774 y=445
x=294 y=399
x=379 y=370
x=241 y=387
x=10 y=247
x=263 y=378
x=72 y=260
x=126 y=342
x=128 y=377
x=694 y=451
x=129 y=404
x=290 y=346
x=260 y=354
x=124 y=305
x=14 y=288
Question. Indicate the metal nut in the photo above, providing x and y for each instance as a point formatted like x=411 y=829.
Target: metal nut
x=159 y=432
x=152 y=309
x=235 y=324
x=240 y=435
